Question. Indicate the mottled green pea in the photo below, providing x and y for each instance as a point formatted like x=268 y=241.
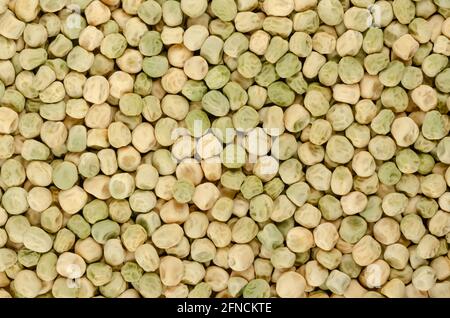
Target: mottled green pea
x=149 y=285
x=412 y=227
x=150 y=43
x=245 y=119
x=427 y=208
x=280 y=94
x=14 y=200
x=155 y=66
x=288 y=65
x=350 y=70
x=278 y=26
x=434 y=126
x=395 y=98
x=131 y=272
x=60 y=46
x=201 y=290
x=215 y=103
x=352 y=228
x=115 y=287
x=51 y=219
x=89 y=165
x=257 y=288
x=373 y=41
x=12 y=173
x=392 y=74
x=330 y=12
x=249 y=65
x=194 y=90
x=149 y=221
x=223 y=29
x=131 y=104
x=389 y=174
x=225 y=10
x=407 y=161
x=95 y=211
x=267 y=75
x=274 y=188
x=64 y=241
x=236 y=44
x=7 y=258
x=27 y=257
x=306 y=21
x=183 y=191
x=65 y=175
x=433 y=64
x=349 y=266
x=197 y=122
x=404 y=10
x=46 y=267
x=13 y=99
x=426 y=163
x=261 y=207
x=373 y=211
x=105 y=230
x=300 y=43
x=236 y=95
x=78 y=225
x=99 y=273
x=32 y=58
x=217 y=77
x=270 y=236
x=232 y=179
x=376 y=62
x=330 y=207
x=382 y=122
x=442 y=81
x=113 y=45
x=150 y=12
x=134 y=236
x=212 y=49
x=328 y=73
x=233 y=156
x=251 y=187
x=297 y=83
x=276 y=49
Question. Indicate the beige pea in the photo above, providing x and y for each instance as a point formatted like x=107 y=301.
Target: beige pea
x=205 y=195
x=353 y=203
x=171 y=270
x=386 y=231
x=72 y=200
x=405 y=131
x=96 y=89
x=168 y=235
x=173 y=81
x=196 y=68
x=363 y=164
x=326 y=236
x=120 y=83
x=290 y=285
x=178 y=54
x=27 y=284
x=375 y=275
x=315 y=273
x=366 y=251
x=240 y=257
x=39 y=198
x=70 y=265
x=174 y=212
x=299 y=239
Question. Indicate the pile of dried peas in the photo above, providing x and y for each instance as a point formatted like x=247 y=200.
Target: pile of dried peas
x=224 y=148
